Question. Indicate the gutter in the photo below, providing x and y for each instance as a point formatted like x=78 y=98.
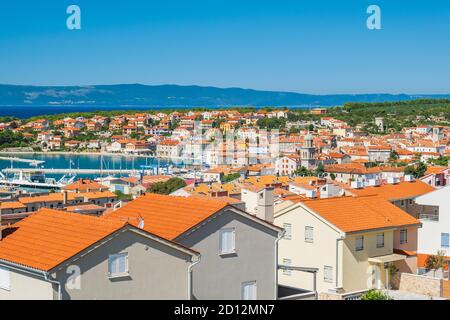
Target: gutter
x=280 y=236
x=337 y=260
x=190 y=267
x=34 y=272
x=54 y=282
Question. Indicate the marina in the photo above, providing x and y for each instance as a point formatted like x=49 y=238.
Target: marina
x=54 y=171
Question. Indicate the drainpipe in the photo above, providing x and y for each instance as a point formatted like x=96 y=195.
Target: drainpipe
x=280 y=236
x=190 y=267
x=54 y=282
x=337 y=260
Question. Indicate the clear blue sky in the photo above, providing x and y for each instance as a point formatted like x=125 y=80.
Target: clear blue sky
x=314 y=46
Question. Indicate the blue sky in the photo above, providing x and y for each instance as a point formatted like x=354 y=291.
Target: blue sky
x=314 y=46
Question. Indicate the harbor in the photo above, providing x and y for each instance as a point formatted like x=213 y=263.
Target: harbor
x=54 y=171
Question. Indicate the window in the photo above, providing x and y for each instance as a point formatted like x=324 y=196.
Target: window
x=445 y=240
x=248 y=290
x=309 y=234
x=227 y=241
x=328 y=274
x=403 y=236
x=359 y=243
x=380 y=240
x=402 y=203
x=288 y=231
x=118 y=265
x=5 y=278
x=287 y=263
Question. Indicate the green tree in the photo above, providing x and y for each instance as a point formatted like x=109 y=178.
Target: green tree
x=122 y=196
x=230 y=177
x=436 y=261
x=393 y=156
x=320 y=170
x=418 y=171
x=271 y=123
x=168 y=186
x=10 y=139
x=375 y=295
x=303 y=172
x=441 y=161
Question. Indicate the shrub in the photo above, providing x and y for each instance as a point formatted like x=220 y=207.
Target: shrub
x=375 y=295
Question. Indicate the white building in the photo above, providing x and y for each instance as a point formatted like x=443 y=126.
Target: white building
x=435 y=218
x=286 y=165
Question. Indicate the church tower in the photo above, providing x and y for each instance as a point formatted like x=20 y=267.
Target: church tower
x=308 y=152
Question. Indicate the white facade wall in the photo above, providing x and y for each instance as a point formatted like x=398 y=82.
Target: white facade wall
x=430 y=234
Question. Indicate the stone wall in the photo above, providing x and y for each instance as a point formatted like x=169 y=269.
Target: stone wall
x=420 y=284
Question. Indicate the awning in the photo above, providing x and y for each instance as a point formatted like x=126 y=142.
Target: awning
x=387 y=258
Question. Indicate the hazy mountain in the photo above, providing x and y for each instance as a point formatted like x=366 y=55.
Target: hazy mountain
x=174 y=95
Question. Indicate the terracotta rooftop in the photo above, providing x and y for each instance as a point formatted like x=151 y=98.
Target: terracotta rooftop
x=393 y=192
x=353 y=214
x=82 y=185
x=167 y=216
x=47 y=238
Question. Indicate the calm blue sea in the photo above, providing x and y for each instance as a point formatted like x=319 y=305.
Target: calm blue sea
x=57 y=161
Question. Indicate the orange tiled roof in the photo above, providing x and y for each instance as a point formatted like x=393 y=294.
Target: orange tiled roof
x=12 y=205
x=167 y=216
x=83 y=185
x=46 y=239
x=422 y=259
x=353 y=214
x=392 y=192
x=435 y=169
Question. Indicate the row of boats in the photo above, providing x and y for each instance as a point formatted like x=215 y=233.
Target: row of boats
x=37 y=180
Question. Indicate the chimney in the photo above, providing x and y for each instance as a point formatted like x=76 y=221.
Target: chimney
x=141 y=223
x=264 y=210
x=65 y=196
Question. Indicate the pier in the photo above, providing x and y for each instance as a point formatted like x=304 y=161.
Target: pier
x=32 y=162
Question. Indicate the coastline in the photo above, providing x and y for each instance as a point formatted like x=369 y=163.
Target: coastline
x=77 y=153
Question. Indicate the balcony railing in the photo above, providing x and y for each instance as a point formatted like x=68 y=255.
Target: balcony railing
x=429 y=217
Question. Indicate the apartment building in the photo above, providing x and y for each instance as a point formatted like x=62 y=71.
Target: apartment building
x=435 y=217
x=350 y=240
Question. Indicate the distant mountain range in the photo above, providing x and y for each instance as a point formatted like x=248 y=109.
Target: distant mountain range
x=175 y=95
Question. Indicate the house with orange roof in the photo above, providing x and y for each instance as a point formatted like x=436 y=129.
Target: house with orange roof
x=169 y=149
x=224 y=235
x=437 y=176
x=379 y=153
x=349 y=240
x=85 y=185
x=400 y=193
x=11 y=207
x=348 y=172
x=56 y=255
x=287 y=165
x=434 y=235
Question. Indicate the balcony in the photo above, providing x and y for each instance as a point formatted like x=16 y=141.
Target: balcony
x=429 y=217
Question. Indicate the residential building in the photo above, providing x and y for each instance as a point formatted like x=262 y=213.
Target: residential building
x=226 y=237
x=350 y=240
x=69 y=256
